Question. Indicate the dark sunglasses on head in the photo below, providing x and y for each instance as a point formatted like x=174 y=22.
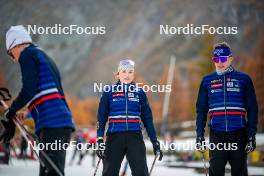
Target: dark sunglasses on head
x=222 y=59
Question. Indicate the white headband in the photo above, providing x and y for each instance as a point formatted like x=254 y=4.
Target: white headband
x=126 y=64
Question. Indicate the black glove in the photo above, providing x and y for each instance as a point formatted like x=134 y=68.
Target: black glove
x=200 y=144
x=156 y=149
x=9 y=131
x=251 y=144
x=100 y=148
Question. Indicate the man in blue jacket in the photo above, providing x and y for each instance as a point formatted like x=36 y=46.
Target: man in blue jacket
x=43 y=95
x=228 y=97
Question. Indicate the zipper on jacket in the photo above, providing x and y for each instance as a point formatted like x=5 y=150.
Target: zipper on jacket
x=225 y=99
x=126 y=107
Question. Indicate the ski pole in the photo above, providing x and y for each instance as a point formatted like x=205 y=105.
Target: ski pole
x=205 y=168
x=97 y=166
x=20 y=129
x=13 y=148
x=27 y=139
x=153 y=163
x=6 y=96
x=24 y=133
x=5 y=107
x=125 y=169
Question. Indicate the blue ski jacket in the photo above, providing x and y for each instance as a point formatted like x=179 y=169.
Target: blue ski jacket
x=42 y=91
x=125 y=108
x=230 y=102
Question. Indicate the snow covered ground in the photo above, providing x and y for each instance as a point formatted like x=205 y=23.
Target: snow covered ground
x=30 y=168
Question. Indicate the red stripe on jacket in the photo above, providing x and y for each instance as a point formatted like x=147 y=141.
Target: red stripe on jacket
x=120 y=121
x=228 y=113
x=45 y=98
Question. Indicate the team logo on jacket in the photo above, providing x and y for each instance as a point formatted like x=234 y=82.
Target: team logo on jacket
x=233 y=89
x=217 y=85
x=119 y=95
x=133 y=99
x=118 y=99
x=230 y=84
x=236 y=84
x=216 y=80
x=216 y=90
x=118 y=90
x=130 y=94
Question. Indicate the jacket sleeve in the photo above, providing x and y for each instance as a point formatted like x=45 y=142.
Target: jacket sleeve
x=252 y=108
x=201 y=109
x=102 y=115
x=29 y=73
x=147 y=118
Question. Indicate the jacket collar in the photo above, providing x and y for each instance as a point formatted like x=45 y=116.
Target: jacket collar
x=226 y=71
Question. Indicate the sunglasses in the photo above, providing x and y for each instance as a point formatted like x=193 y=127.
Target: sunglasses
x=9 y=51
x=222 y=59
x=10 y=54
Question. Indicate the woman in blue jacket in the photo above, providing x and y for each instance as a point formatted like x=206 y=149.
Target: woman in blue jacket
x=124 y=107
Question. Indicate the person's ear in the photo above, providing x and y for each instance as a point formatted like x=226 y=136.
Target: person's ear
x=231 y=58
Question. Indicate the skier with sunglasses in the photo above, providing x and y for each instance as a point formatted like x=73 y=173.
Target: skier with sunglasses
x=228 y=97
x=43 y=95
